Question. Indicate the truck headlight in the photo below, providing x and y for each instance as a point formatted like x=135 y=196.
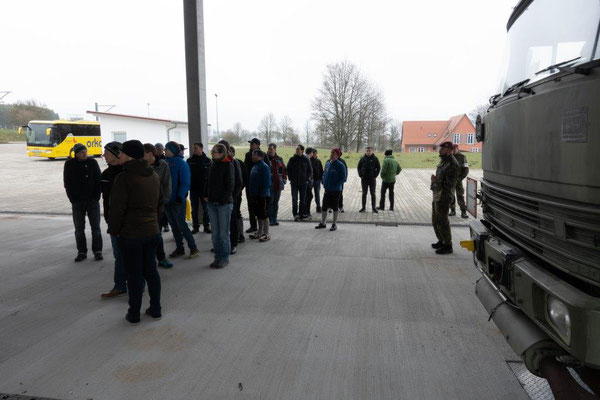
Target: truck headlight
x=558 y=314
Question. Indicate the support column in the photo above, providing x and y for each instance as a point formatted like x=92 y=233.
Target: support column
x=195 y=68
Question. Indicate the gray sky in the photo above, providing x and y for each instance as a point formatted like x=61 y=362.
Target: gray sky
x=431 y=59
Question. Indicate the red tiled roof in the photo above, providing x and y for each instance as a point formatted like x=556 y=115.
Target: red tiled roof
x=416 y=132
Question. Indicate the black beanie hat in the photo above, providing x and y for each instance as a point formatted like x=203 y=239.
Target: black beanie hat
x=114 y=148
x=78 y=147
x=133 y=149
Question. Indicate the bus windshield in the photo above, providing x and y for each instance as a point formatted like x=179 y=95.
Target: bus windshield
x=36 y=135
x=550 y=32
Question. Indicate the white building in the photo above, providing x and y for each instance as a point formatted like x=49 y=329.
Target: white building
x=121 y=127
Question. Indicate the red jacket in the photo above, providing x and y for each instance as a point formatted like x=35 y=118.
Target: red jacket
x=278 y=173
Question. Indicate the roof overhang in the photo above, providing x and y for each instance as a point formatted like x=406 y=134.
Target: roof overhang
x=105 y=114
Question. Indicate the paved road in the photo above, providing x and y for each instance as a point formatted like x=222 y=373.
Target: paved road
x=35 y=185
x=366 y=312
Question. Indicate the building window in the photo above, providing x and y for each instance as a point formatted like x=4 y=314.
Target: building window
x=175 y=136
x=475 y=150
x=412 y=149
x=470 y=138
x=429 y=135
x=435 y=135
x=421 y=149
x=120 y=137
x=457 y=138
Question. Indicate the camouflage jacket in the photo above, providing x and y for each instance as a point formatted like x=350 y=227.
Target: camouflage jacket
x=463 y=165
x=446 y=174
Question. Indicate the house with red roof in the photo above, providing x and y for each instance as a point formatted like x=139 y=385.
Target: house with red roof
x=425 y=136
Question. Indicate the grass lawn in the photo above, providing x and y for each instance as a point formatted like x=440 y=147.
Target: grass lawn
x=9 y=135
x=406 y=160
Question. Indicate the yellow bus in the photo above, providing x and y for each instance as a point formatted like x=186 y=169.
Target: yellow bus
x=55 y=139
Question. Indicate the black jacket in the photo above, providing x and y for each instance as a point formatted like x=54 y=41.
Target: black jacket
x=199 y=166
x=317 y=169
x=106 y=181
x=299 y=170
x=368 y=167
x=220 y=182
x=82 y=180
x=239 y=178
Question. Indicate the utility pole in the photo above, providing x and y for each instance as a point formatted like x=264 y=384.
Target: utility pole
x=195 y=70
x=148 y=109
x=110 y=107
x=217 y=108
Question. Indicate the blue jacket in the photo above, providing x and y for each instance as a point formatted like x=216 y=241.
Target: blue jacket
x=180 y=177
x=334 y=176
x=260 y=180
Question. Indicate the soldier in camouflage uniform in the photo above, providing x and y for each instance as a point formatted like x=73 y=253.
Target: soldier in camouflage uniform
x=463 y=171
x=443 y=184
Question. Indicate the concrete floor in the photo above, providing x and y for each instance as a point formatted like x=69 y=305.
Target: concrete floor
x=366 y=312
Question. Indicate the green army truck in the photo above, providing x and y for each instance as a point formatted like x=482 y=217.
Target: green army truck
x=537 y=244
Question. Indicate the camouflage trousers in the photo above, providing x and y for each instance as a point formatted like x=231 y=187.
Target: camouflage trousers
x=440 y=221
x=460 y=197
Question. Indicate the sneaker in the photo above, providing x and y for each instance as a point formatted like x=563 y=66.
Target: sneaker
x=333 y=227
x=380 y=208
x=207 y=229
x=341 y=209
x=307 y=216
x=98 y=256
x=165 y=264
x=80 y=257
x=437 y=245
x=195 y=230
x=132 y=319
x=221 y=264
x=155 y=315
x=321 y=226
x=212 y=264
x=276 y=223
x=251 y=229
x=452 y=212
x=113 y=294
x=177 y=253
x=375 y=211
x=463 y=214
x=362 y=210
x=241 y=239
x=296 y=219
x=233 y=250
x=319 y=209
x=254 y=235
x=194 y=253
x=264 y=238
x=444 y=250
x=271 y=223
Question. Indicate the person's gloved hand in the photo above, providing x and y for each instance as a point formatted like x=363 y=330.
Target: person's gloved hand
x=178 y=200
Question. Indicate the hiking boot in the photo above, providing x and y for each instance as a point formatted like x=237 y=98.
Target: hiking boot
x=264 y=238
x=444 y=250
x=362 y=210
x=251 y=229
x=463 y=214
x=233 y=250
x=132 y=319
x=254 y=235
x=195 y=230
x=333 y=227
x=114 y=293
x=98 y=256
x=321 y=226
x=221 y=264
x=177 y=253
x=194 y=253
x=375 y=211
x=437 y=245
x=452 y=212
x=207 y=229
x=80 y=257
x=155 y=315
x=165 y=264
x=297 y=219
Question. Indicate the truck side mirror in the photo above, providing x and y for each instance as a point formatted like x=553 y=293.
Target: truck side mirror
x=479 y=128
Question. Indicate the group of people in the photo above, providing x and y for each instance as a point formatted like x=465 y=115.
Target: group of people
x=145 y=187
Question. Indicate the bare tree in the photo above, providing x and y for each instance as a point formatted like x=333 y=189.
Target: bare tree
x=286 y=129
x=267 y=127
x=307 y=131
x=479 y=109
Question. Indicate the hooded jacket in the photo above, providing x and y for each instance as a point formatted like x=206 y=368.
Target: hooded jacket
x=82 y=180
x=180 y=177
x=390 y=169
x=199 y=166
x=136 y=201
x=221 y=181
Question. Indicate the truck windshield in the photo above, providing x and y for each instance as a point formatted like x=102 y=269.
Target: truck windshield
x=36 y=135
x=550 y=32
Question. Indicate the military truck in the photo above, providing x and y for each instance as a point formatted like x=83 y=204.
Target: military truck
x=538 y=242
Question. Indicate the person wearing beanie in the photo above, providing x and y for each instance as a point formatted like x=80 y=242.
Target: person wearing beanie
x=341 y=205
x=136 y=201
x=81 y=178
x=180 y=185
x=334 y=176
x=111 y=154
x=389 y=170
x=160 y=151
x=254 y=145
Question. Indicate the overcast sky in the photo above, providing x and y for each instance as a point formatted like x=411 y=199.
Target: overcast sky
x=431 y=59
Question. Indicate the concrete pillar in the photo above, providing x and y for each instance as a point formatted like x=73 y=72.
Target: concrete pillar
x=195 y=68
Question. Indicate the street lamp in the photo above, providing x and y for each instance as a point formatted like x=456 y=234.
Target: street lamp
x=217 y=108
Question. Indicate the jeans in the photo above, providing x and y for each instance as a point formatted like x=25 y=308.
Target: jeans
x=220 y=215
x=298 y=189
x=384 y=187
x=196 y=200
x=92 y=209
x=273 y=207
x=120 y=273
x=368 y=184
x=176 y=214
x=139 y=258
x=317 y=190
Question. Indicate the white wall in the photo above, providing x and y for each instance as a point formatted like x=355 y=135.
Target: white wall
x=146 y=131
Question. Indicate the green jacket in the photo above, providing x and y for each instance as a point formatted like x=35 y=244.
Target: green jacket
x=390 y=169
x=446 y=174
